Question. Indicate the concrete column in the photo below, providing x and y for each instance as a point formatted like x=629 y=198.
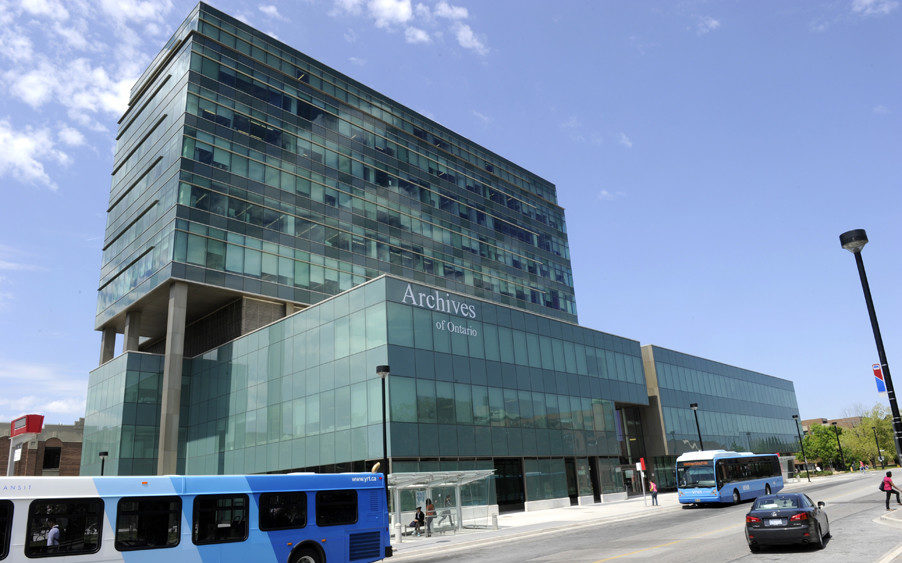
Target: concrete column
x=132 y=331
x=167 y=454
x=107 y=344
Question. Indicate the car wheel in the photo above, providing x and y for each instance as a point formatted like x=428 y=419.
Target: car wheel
x=736 y=497
x=819 y=539
x=767 y=489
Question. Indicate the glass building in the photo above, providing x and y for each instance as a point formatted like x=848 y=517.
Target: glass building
x=276 y=230
x=473 y=385
x=738 y=409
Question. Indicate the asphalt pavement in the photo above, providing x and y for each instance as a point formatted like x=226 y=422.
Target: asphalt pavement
x=862 y=530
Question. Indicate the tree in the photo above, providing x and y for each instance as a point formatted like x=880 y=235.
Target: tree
x=861 y=437
x=820 y=444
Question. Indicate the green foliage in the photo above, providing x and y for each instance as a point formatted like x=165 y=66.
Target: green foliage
x=858 y=443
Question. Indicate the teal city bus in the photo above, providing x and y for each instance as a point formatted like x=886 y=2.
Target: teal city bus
x=720 y=476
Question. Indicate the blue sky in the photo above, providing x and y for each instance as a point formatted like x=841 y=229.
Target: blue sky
x=708 y=155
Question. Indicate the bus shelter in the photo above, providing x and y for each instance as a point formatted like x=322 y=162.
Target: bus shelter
x=432 y=484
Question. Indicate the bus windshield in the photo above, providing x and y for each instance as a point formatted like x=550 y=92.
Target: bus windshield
x=695 y=474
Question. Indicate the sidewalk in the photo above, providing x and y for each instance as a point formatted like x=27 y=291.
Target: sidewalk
x=518 y=525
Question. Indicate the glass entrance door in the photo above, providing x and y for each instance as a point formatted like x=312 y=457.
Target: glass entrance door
x=509 y=485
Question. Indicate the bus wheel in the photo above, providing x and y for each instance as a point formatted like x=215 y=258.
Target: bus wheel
x=767 y=489
x=306 y=555
x=736 y=498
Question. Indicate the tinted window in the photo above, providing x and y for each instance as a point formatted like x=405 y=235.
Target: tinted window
x=776 y=502
x=148 y=522
x=220 y=518
x=63 y=527
x=334 y=508
x=283 y=511
x=6 y=522
x=51 y=458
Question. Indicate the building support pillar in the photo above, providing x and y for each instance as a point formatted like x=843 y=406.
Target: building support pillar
x=107 y=344
x=132 y=331
x=167 y=453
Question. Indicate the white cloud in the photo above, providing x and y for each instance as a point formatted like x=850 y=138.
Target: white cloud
x=422 y=11
x=71 y=137
x=350 y=35
x=25 y=151
x=416 y=35
x=468 y=40
x=348 y=6
x=706 y=24
x=874 y=7
x=272 y=11
x=15 y=46
x=138 y=11
x=605 y=195
x=46 y=8
x=625 y=141
x=390 y=12
x=75 y=38
x=446 y=10
x=881 y=109
x=572 y=122
x=357 y=61
x=482 y=117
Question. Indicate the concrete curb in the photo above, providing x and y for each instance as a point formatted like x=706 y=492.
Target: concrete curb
x=891 y=555
x=890 y=519
x=480 y=542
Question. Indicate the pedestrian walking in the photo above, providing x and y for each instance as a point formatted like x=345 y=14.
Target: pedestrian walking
x=446 y=513
x=654 y=492
x=888 y=486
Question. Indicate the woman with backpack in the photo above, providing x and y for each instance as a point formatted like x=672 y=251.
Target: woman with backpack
x=887 y=486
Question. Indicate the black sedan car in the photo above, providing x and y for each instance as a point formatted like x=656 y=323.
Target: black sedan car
x=784 y=519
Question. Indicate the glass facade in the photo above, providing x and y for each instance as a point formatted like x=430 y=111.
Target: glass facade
x=246 y=165
x=471 y=381
x=122 y=415
x=738 y=409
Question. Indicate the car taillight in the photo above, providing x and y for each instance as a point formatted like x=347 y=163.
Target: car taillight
x=752 y=519
x=799 y=517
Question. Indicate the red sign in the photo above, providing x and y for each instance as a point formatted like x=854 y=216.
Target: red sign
x=30 y=423
x=642 y=463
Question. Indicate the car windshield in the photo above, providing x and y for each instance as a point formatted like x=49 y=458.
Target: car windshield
x=776 y=502
x=695 y=474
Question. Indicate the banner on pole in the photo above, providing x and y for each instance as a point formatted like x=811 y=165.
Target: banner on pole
x=878 y=377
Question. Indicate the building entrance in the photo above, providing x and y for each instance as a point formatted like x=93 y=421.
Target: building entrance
x=509 y=485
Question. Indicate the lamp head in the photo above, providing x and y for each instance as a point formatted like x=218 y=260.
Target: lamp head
x=103 y=454
x=795 y=416
x=382 y=371
x=833 y=423
x=693 y=406
x=823 y=421
x=854 y=240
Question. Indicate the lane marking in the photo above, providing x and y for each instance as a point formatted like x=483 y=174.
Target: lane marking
x=891 y=556
x=695 y=537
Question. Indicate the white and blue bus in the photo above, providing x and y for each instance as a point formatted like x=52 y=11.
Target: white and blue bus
x=726 y=477
x=295 y=518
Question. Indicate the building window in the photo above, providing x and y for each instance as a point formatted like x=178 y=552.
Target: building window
x=283 y=511
x=220 y=519
x=60 y=527
x=336 y=508
x=51 y=458
x=6 y=522
x=148 y=523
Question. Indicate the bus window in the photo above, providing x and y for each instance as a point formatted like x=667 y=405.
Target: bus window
x=335 y=508
x=220 y=518
x=60 y=527
x=6 y=522
x=148 y=522
x=283 y=511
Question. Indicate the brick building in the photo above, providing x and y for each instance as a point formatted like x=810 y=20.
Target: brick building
x=56 y=451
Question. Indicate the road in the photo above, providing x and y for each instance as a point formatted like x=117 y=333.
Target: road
x=706 y=534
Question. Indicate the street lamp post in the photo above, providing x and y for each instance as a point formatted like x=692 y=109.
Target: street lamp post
x=879 y=456
x=102 y=461
x=795 y=417
x=854 y=241
x=382 y=372
x=841 y=456
x=694 y=407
